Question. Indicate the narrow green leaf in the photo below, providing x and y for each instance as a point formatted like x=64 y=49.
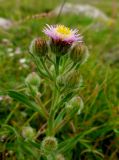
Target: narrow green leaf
x=67 y=145
x=24 y=99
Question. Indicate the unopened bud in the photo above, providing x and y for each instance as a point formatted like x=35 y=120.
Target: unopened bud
x=59 y=48
x=72 y=78
x=79 y=53
x=28 y=132
x=49 y=144
x=39 y=47
x=33 y=79
x=60 y=157
x=75 y=104
x=61 y=81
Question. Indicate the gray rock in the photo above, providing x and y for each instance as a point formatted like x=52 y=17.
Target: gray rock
x=84 y=9
x=5 y=23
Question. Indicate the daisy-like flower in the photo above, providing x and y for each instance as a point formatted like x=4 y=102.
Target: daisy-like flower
x=61 y=38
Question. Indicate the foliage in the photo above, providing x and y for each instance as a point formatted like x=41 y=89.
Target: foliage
x=93 y=134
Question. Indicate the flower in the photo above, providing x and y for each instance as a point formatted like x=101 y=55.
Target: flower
x=62 y=33
x=61 y=38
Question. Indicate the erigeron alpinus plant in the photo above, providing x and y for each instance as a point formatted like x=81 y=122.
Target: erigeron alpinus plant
x=53 y=92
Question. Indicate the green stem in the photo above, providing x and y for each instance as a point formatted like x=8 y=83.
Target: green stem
x=42 y=107
x=70 y=68
x=42 y=74
x=51 y=114
x=11 y=113
x=50 y=59
x=46 y=69
x=57 y=65
x=61 y=124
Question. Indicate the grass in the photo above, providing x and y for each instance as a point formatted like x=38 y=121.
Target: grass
x=98 y=124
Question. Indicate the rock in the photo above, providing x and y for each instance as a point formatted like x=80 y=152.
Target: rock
x=84 y=9
x=5 y=23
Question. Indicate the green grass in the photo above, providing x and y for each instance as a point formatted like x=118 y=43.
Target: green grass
x=99 y=92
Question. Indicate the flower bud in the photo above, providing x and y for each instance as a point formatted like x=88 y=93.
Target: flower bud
x=39 y=47
x=75 y=104
x=28 y=132
x=72 y=79
x=61 y=81
x=33 y=79
x=79 y=53
x=60 y=157
x=59 y=48
x=49 y=144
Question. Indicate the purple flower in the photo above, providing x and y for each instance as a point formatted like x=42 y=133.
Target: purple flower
x=61 y=33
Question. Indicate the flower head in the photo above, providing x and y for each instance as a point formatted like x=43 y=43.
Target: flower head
x=61 y=38
x=62 y=33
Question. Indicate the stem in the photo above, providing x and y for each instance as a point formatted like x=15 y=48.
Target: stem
x=61 y=124
x=57 y=65
x=50 y=59
x=11 y=113
x=70 y=68
x=42 y=74
x=42 y=107
x=51 y=114
x=28 y=121
x=46 y=69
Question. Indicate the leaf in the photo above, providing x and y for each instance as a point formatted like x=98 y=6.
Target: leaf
x=36 y=145
x=59 y=117
x=27 y=148
x=24 y=99
x=11 y=129
x=67 y=145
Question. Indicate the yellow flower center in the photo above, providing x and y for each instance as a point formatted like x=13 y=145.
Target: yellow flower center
x=63 y=31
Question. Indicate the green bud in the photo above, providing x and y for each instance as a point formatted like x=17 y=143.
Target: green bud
x=49 y=144
x=61 y=81
x=39 y=47
x=60 y=157
x=79 y=53
x=33 y=79
x=28 y=132
x=72 y=78
x=75 y=105
x=59 y=48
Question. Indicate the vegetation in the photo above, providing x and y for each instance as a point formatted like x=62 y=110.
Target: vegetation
x=93 y=134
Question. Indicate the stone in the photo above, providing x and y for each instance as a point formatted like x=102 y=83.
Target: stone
x=84 y=9
x=5 y=23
